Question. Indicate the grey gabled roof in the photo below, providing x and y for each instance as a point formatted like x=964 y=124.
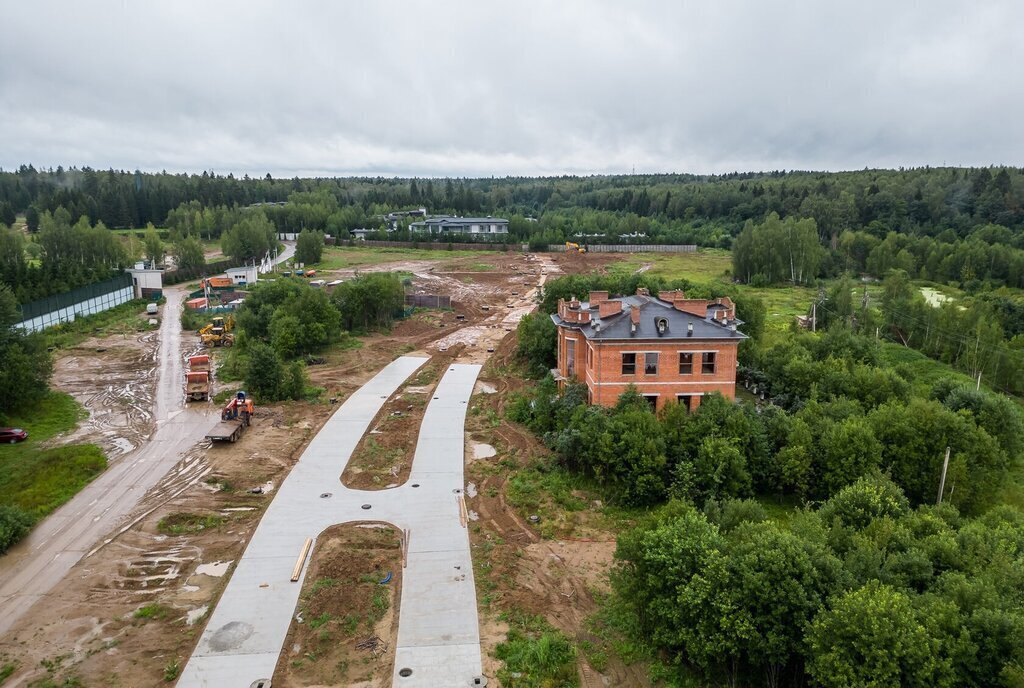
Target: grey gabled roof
x=445 y=220
x=619 y=326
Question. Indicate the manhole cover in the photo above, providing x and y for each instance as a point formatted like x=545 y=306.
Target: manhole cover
x=415 y=484
x=366 y=506
x=479 y=681
x=325 y=495
x=534 y=518
x=456 y=490
x=261 y=683
x=405 y=672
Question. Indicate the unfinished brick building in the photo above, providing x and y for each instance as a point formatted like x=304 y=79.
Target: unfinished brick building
x=668 y=346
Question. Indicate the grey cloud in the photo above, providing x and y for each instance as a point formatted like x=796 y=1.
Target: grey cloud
x=470 y=88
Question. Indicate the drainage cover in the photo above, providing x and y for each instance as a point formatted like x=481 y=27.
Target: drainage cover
x=260 y=683
x=325 y=495
x=415 y=484
x=405 y=673
x=479 y=681
x=366 y=506
x=456 y=490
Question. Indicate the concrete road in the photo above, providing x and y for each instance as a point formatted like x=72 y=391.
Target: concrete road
x=438 y=636
x=36 y=565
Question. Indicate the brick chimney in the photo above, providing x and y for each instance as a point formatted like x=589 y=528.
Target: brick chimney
x=607 y=308
x=597 y=298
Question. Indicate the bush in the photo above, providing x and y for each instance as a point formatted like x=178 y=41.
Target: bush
x=14 y=525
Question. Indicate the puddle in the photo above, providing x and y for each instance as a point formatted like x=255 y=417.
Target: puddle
x=190 y=588
x=196 y=614
x=239 y=508
x=483 y=451
x=215 y=569
x=471 y=490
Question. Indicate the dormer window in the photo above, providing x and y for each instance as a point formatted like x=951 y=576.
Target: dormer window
x=661 y=324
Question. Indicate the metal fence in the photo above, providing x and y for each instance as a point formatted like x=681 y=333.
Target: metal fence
x=428 y=301
x=87 y=300
x=630 y=248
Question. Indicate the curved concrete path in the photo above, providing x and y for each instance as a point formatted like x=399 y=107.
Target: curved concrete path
x=438 y=636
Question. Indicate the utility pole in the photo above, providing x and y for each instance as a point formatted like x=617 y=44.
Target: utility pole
x=942 y=480
x=978 y=387
x=814 y=316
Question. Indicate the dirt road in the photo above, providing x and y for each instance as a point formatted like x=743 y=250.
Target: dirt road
x=33 y=568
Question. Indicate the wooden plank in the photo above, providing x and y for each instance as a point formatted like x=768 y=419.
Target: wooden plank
x=302 y=559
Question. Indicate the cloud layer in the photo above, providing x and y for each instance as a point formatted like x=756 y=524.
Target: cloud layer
x=478 y=88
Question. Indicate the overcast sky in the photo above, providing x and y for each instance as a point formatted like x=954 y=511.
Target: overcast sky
x=483 y=88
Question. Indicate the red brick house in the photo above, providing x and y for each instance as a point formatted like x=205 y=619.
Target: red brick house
x=669 y=347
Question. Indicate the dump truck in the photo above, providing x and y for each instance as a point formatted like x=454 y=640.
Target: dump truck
x=235 y=417
x=199 y=364
x=197 y=385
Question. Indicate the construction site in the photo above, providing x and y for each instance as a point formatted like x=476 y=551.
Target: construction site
x=130 y=583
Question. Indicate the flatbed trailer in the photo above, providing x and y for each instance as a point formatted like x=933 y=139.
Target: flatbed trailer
x=226 y=431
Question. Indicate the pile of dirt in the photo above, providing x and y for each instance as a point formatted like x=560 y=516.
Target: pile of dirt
x=346 y=626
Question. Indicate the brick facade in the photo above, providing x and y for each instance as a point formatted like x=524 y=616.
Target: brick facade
x=652 y=364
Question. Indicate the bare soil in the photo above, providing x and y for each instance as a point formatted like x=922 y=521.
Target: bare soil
x=554 y=570
x=346 y=626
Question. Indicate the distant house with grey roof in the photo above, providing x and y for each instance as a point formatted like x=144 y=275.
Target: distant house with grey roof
x=446 y=224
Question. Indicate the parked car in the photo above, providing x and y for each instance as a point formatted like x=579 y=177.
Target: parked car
x=12 y=435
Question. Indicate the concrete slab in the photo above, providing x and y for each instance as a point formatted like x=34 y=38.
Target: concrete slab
x=247 y=629
x=438 y=634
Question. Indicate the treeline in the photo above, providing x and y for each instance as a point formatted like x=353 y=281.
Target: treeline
x=704 y=209
x=61 y=257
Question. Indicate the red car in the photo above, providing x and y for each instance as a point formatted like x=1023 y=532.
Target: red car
x=12 y=435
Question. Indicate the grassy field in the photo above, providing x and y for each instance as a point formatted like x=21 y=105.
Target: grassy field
x=342 y=257
x=783 y=303
x=127 y=319
x=36 y=479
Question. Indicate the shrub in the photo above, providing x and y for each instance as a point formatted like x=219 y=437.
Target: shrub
x=14 y=525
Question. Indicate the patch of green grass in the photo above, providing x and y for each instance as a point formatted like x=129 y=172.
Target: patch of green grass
x=185 y=523
x=126 y=319
x=322 y=584
x=379 y=605
x=341 y=257
x=6 y=670
x=171 y=670
x=155 y=612
x=37 y=480
x=318 y=621
x=549 y=492
x=705 y=265
x=536 y=655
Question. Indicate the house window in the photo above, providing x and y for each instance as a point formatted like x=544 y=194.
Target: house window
x=708 y=363
x=570 y=357
x=629 y=364
x=686 y=400
x=685 y=363
x=651 y=363
x=652 y=399
x=590 y=356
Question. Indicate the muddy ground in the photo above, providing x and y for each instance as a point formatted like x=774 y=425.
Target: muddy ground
x=130 y=613
x=346 y=625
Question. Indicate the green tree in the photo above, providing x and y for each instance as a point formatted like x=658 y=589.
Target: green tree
x=264 y=375
x=250 y=238
x=309 y=246
x=369 y=301
x=26 y=364
x=188 y=253
x=871 y=638
x=537 y=336
x=154 y=245
x=7 y=216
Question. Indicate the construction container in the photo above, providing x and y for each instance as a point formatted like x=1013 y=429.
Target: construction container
x=196 y=304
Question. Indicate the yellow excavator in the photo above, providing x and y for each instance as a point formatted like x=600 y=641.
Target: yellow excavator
x=571 y=247
x=218 y=332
